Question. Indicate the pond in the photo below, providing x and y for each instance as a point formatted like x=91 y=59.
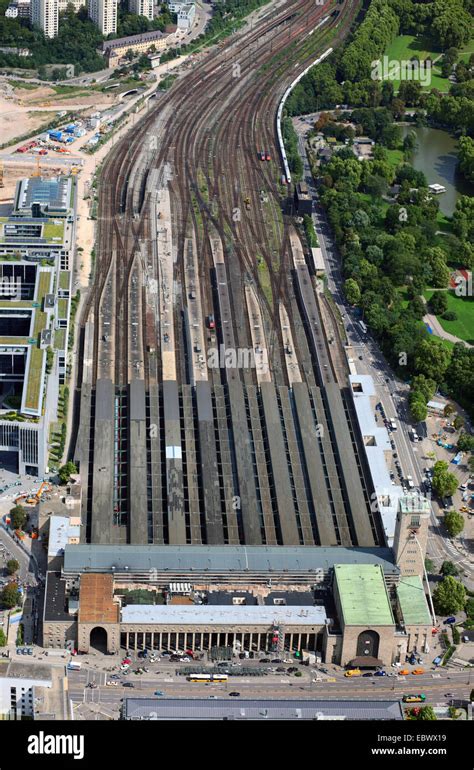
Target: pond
x=436 y=156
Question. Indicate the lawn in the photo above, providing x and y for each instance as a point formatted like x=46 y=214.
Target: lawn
x=64 y=277
x=382 y=205
x=395 y=157
x=33 y=388
x=62 y=307
x=44 y=285
x=404 y=47
x=463 y=327
x=466 y=52
x=52 y=230
x=60 y=339
x=23 y=84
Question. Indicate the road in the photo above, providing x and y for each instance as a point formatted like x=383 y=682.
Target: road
x=27 y=566
x=105 y=701
x=392 y=393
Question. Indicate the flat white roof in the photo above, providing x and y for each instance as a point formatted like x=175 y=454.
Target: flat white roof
x=60 y=530
x=376 y=443
x=318 y=258
x=436 y=405
x=216 y=615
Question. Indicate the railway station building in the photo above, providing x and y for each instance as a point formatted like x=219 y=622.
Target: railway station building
x=344 y=604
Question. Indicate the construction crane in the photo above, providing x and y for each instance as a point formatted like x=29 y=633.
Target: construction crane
x=37 y=171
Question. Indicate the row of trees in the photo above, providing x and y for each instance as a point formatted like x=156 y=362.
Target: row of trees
x=466 y=157
x=379 y=28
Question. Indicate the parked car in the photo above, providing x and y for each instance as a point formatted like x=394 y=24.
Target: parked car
x=380 y=673
x=417 y=671
x=128 y=684
x=234 y=694
x=450 y=620
x=158 y=693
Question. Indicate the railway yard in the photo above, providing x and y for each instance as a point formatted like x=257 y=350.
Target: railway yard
x=212 y=404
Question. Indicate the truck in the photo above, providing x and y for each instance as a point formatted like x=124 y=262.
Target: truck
x=74 y=666
x=211 y=322
x=409 y=481
x=393 y=424
x=57 y=653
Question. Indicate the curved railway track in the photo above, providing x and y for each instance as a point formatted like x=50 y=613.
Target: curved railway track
x=203 y=133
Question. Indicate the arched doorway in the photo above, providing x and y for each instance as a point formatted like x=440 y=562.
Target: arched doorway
x=368 y=644
x=98 y=639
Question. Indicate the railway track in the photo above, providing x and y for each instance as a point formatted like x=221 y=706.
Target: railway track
x=118 y=229
x=207 y=131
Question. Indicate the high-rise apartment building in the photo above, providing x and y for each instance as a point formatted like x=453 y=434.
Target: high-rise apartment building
x=142 y=8
x=104 y=14
x=45 y=15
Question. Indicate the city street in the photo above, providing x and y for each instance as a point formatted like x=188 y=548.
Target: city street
x=104 y=702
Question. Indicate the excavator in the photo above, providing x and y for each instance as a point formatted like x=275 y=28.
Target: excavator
x=34 y=499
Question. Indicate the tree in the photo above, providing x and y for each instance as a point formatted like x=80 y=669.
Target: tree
x=458 y=422
x=466 y=155
x=429 y=565
x=432 y=359
x=470 y=464
x=12 y=566
x=444 y=482
x=417 y=307
x=425 y=386
x=418 y=410
x=449 y=596
x=17 y=517
x=3 y=638
x=465 y=442
x=454 y=522
x=448 y=410
x=470 y=608
x=66 y=471
x=10 y=595
x=438 y=303
x=352 y=291
x=448 y=568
